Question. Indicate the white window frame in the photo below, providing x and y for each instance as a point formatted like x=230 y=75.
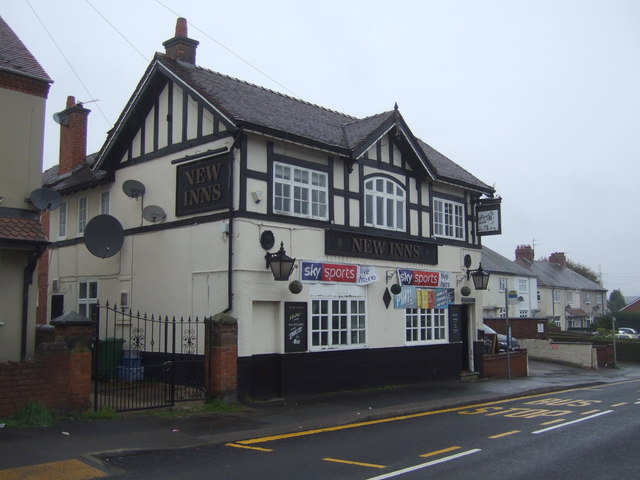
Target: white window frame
x=87 y=297
x=105 y=203
x=300 y=192
x=569 y=297
x=426 y=326
x=524 y=313
x=556 y=296
x=448 y=219
x=502 y=284
x=385 y=204
x=62 y=220
x=502 y=312
x=83 y=213
x=523 y=285
x=338 y=323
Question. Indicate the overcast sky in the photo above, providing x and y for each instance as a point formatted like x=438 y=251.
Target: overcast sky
x=539 y=98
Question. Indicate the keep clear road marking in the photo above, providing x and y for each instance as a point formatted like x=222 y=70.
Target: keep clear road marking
x=425 y=465
x=572 y=422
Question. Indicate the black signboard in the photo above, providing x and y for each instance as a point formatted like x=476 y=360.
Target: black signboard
x=455 y=324
x=372 y=246
x=489 y=217
x=203 y=185
x=295 y=327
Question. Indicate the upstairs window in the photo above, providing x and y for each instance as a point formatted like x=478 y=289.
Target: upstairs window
x=384 y=204
x=62 y=220
x=82 y=214
x=300 y=192
x=502 y=282
x=448 y=219
x=104 y=203
x=523 y=285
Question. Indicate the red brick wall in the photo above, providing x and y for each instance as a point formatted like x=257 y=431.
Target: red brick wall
x=19 y=83
x=221 y=356
x=59 y=376
x=495 y=366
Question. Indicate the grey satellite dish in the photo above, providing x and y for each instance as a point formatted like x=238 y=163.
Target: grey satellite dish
x=103 y=236
x=45 y=199
x=133 y=188
x=153 y=213
x=61 y=118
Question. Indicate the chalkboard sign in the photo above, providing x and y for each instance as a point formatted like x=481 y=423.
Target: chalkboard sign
x=295 y=327
x=455 y=321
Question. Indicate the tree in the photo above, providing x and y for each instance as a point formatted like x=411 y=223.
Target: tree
x=616 y=301
x=585 y=271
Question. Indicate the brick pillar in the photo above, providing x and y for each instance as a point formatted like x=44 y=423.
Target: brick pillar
x=221 y=356
x=76 y=333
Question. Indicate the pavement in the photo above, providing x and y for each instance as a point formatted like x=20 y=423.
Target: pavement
x=81 y=444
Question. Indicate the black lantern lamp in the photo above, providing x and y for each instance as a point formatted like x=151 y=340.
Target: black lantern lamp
x=480 y=277
x=280 y=263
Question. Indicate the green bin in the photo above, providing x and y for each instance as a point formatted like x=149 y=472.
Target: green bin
x=108 y=357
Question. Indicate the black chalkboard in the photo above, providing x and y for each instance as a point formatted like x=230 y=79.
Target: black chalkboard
x=295 y=327
x=455 y=324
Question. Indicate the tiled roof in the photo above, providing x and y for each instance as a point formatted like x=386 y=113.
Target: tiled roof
x=494 y=262
x=553 y=275
x=16 y=58
x=576 y=312
x=82 y=177
x=21 y=230
x=254 y=106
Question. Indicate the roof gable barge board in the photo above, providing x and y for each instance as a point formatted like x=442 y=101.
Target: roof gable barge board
x=131 y=119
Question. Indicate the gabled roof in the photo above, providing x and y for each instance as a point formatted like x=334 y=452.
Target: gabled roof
x=16 y=58
x=632 y=306
x=493 y=262
x=553 y=275
x=250 y=107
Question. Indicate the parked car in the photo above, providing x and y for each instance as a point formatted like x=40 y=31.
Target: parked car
x=502 y=339
x=625 y=332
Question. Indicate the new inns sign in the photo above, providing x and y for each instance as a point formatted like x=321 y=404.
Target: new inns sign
x=203 y=185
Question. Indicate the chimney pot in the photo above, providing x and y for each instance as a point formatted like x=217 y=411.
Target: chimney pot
x=558 y=258
x=181 y=47
x=73 y=137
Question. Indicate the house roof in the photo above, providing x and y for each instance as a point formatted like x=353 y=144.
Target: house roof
x=632 y=306
x=82 y=177
x=255 y=108
x=493 y=262
x=21 y=227
x=576 y=312
x=15 y=57
x=553 y=275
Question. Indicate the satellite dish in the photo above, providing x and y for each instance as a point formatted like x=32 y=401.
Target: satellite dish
x=45 y=199
x=103 y=236
x=61 y=118
x=133 y=188
x=153 y=213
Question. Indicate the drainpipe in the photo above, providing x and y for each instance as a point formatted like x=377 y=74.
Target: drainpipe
x=27 y=279
x=238 y=137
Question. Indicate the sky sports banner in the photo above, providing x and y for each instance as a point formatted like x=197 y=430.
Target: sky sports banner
x=422 y=278
x=414 y=297
x=335 y=272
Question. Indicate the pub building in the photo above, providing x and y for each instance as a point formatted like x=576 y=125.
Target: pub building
x=345 y=247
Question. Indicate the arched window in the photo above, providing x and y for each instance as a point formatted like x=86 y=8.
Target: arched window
x=384 y=204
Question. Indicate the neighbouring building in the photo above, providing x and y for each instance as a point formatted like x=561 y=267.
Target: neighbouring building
x=24 y=86
x=568 y=298
x=209 y=175
x=508 y=279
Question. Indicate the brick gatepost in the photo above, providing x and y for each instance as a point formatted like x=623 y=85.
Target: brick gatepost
x=221 y=357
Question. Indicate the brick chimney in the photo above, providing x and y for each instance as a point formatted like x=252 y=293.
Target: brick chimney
x=181 y=47
x=558 y=258
x=524 y=252
x=73 y=135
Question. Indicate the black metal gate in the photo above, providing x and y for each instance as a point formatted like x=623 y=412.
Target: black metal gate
x=143 y=362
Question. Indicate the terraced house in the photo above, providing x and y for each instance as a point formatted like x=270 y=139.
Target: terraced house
x=210 y=177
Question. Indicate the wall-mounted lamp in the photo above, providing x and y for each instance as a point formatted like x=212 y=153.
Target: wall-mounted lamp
x=280 y=263
x=480 y=277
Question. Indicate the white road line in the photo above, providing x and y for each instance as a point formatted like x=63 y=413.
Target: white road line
x=424 y=465
x=560 y=425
